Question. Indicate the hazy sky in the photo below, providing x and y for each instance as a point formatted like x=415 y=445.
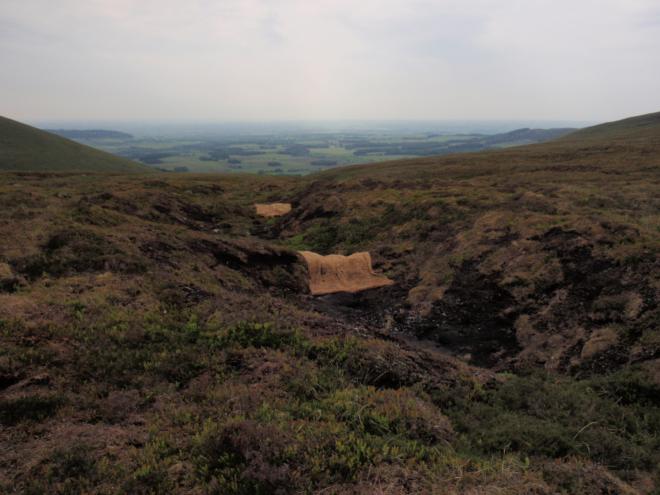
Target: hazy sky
x=329 y=59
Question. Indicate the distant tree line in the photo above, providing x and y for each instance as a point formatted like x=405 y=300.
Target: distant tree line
x=89 y=134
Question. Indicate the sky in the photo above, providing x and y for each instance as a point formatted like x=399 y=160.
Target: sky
x=256 y=60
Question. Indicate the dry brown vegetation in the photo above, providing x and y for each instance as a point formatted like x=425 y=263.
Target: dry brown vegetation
x=158 y=335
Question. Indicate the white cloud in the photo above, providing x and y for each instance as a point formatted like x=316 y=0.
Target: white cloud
x=289 y=59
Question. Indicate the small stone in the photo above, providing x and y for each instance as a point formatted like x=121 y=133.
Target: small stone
x=600 y=340
x=6 y=271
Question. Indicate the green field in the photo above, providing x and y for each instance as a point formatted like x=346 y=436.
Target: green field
x=304 y=152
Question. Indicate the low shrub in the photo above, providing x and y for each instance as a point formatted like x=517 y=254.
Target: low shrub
x=258 y=335
x=559 y=416
x=396 y=412
x=243 y=457
x=77 y=251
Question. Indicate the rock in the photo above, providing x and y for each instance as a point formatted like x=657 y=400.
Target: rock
x=8 y=281
x=653 y=370
x=600 y=340
x=5 y=271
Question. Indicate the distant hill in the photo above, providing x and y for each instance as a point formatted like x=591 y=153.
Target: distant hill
x=525 y=136
x=517 y=137
x=25 y=148
x=640 y=127
x=89 y=134
x=461 y=143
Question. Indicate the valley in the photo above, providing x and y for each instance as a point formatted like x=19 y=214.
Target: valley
x=281 y=149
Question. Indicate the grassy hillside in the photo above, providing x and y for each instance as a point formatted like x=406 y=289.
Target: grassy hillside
x=156 y=336
x=27 y=149
x=640 y=127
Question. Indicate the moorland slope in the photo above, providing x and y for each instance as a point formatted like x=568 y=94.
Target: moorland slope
x=158 y=335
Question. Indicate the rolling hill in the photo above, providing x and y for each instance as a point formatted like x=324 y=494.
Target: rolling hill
x=158 y=336
x=27 y=149
x=640 y=127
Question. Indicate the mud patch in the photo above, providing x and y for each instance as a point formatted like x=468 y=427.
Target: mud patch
x=271 y=266
x=473 y=318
